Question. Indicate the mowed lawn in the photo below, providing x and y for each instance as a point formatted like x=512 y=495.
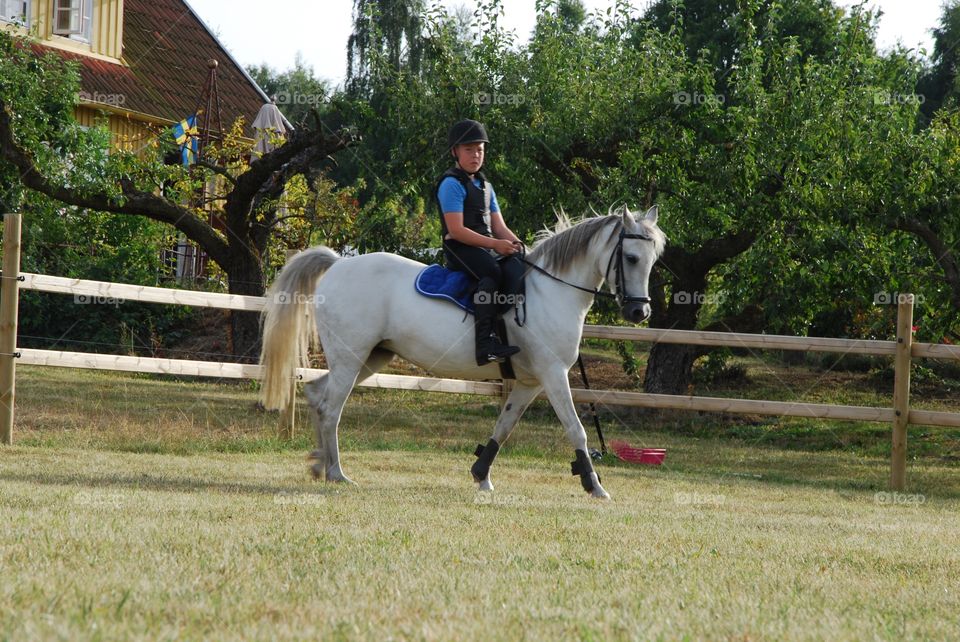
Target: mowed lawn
x=103 y=539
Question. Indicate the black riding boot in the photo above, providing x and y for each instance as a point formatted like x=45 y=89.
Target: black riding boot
x=485 y=306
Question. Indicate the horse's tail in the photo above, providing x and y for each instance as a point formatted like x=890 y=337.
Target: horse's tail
x=289 y=324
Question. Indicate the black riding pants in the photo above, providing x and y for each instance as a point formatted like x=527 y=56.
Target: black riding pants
x=480 y=264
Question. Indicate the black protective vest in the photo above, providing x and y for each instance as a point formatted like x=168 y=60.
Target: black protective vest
x=476 y=206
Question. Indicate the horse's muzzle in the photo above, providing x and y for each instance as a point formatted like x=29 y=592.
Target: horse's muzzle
x=635 y=312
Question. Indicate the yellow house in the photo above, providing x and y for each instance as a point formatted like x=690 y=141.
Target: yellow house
x=143 y=63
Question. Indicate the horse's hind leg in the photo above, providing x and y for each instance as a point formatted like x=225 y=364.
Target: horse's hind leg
x=379 y=357
x=314 y=393
x=327 y=397
x=520 y=397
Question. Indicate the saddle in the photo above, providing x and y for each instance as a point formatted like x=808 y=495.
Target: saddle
x=438 y=282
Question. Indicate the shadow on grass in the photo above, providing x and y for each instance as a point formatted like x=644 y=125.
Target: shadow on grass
x=150 y=482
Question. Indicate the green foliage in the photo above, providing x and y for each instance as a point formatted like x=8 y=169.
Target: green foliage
x=64 y=241
x=41 y=95
x=715 y=368
x=775 y=121
x=939 y=85
x=631 y=365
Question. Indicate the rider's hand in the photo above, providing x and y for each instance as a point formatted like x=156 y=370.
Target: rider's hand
x=505 y=247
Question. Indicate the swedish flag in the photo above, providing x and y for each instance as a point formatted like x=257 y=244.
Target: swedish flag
x=188 y=138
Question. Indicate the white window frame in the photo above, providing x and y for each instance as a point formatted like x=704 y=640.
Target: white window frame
x=7 y=8
x=73 y=18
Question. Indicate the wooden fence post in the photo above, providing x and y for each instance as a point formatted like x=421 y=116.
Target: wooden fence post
x=9 y=304
x=288 y=415
x=901 y=391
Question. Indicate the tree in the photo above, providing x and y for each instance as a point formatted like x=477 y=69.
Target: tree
x=939 y=85
x=42 y=149
x=714 y=28
x=387 y=34
x=775 y=160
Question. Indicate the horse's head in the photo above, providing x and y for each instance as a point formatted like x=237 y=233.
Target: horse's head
x=635 y=246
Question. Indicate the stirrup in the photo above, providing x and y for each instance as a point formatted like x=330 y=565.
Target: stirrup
x=502 y=356
x=495 y=353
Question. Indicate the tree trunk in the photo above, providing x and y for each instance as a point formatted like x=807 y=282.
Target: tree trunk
x=670 y=365
x=246 y=277
x=670 y=369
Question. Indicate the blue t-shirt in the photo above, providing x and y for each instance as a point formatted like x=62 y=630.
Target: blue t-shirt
x=452 y=194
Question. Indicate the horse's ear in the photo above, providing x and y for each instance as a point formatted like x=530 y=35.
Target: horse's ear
x=624 y=213
x=651 y=215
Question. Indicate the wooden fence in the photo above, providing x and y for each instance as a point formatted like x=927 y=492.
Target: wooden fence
x=903 y=350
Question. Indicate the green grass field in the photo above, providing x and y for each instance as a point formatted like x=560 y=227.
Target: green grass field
x=137 y=507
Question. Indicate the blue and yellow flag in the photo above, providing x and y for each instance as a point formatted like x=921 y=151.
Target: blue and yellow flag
x=188 y=137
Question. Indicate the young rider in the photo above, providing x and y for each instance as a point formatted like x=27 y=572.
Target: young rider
x=476 y=240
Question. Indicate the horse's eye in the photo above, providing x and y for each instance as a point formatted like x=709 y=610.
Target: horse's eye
x=632 y=259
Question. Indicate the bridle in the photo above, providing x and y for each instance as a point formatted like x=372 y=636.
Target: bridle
x=620 y=290
x=619 y=294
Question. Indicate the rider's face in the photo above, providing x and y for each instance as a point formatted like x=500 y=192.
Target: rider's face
x=469 y=156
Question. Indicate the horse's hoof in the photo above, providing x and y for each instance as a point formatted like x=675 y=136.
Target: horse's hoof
x=485 y=486
x=341 y=479
x=316 y=471
x=599 y=493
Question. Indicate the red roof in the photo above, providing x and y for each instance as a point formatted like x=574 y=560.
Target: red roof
x=166 y=48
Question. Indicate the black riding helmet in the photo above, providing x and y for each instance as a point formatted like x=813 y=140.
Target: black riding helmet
x=466 y=131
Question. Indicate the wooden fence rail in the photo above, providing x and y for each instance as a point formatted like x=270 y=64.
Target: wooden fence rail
x=903 y=350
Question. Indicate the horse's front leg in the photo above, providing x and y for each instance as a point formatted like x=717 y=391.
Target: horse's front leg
x=517 y=402
x=557 y=387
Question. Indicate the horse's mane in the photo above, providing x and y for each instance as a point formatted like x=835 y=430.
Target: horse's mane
x=570 y=238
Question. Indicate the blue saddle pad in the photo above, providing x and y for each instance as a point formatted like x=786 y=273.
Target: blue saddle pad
x=438 y=282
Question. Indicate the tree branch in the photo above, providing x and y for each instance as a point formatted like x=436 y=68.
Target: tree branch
x=942 y=253
x=217 y=169
x=135 y=202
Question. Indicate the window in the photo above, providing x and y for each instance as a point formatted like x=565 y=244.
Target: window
x=14 y=10
x=72 y=18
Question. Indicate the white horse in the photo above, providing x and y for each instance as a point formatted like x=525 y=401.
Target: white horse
x=365 y=310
